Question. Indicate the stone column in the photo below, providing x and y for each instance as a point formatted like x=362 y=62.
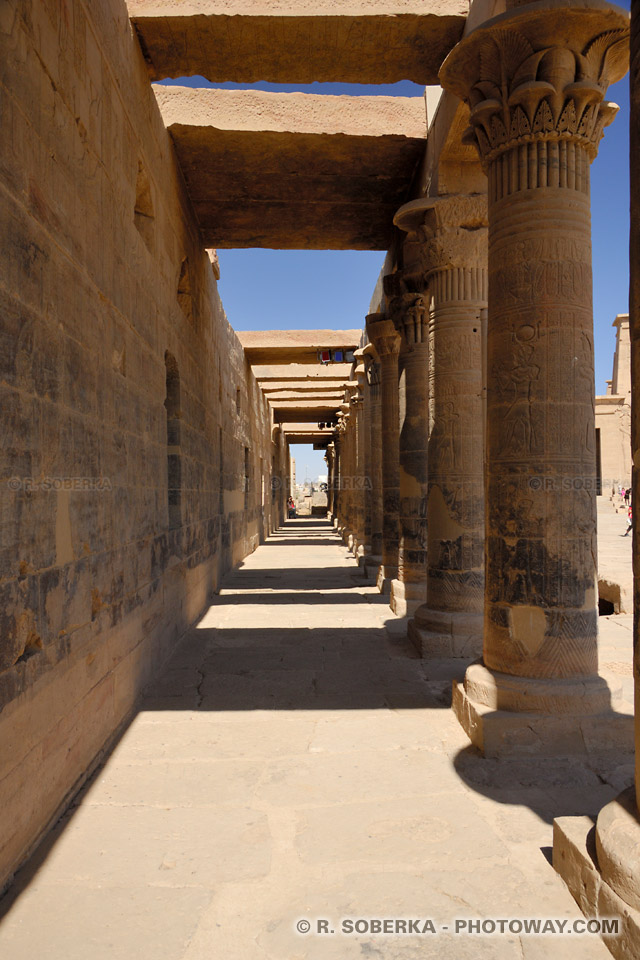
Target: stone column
x=357 y=412
x=616 y=889
x=330 y=458
x=344 y=515
x=453 y=233
x=374 y=441
x=409 y=314
x=537 y=114
x=386 y=341
x=364 y=441
x=337 y=475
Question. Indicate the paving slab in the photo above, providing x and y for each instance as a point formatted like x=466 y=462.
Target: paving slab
x=296 y=761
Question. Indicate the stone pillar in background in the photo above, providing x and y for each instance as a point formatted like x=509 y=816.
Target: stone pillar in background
x=330 y=459
x=408 y=311
x=453 y=232
x=344 y=516
x=372 y=365
x=337 y=474
x=364 y=439
x=386 y=341
x=537 y=115
x=360 y=545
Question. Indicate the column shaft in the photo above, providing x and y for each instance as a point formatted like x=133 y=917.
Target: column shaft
x=537 y=116
x=408 y=591
x=387 y=344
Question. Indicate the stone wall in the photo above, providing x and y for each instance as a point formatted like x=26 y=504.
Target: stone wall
x=137 y=451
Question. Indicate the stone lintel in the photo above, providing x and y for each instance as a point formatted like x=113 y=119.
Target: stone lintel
x=321 y=373
x=281 y=347
x=304 y=414
x=360 y=41
x=302 y=387
x=294 y=170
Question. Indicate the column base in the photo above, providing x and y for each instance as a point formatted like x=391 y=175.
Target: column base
x=603 y=883
x=506 y=716
x=437 y=634
x=371 y=564
x=356 y=546
x=384 y=577
x=406 y=598
x=364 y=554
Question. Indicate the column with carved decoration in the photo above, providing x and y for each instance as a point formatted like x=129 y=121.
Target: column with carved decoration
x=360 y=543
x=408 y=311
x=535 y=80
x=330 y=461
x=453 y=234
x=344 y=516
x=373 y=560
x=386 y=340
x=617 y=834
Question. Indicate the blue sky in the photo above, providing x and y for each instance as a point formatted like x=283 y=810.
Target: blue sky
x=308 y=289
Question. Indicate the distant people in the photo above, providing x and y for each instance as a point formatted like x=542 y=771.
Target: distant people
x=291 y=507
x=622 y=492
x=629 y=523
x=627 y=494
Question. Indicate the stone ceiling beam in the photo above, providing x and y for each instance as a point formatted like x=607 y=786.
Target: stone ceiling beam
x=302 y=387
x=297 y=346
x=294 y=170
x=298 y=41
x=304 y=414
x=312 y=373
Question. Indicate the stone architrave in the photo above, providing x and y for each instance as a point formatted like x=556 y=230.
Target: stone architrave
x=535 y=80
x=408 y=310
x=386 y=340
x=452 y=232
x=374 y=441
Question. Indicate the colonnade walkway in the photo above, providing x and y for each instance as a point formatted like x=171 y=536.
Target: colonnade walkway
x=298 y=761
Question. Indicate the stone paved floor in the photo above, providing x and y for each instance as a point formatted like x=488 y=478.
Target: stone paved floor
x=296 y=760
x=614 y=549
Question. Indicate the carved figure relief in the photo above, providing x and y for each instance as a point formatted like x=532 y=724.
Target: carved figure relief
x=519 y=435
x=446 y=437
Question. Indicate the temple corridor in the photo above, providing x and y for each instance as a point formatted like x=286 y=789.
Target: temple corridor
x=297 y=759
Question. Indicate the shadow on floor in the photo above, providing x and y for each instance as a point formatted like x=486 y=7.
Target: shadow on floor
x=558 y=787
x=294 y=668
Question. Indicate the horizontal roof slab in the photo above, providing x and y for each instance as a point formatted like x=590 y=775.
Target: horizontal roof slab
x=275 y=388
x=299 y=41
x=307 y=429
x=294 y=170
x=302 y=414
x=296 y=346
x=293 y=396
x=319 y=373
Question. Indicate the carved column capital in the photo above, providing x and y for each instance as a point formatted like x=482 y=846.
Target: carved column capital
x=538 y=75
x=383 y=334
x=452 y=235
